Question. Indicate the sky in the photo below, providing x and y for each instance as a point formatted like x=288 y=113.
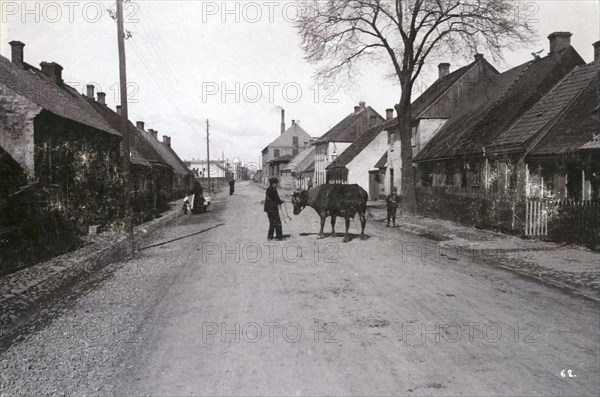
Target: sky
x=236 y=63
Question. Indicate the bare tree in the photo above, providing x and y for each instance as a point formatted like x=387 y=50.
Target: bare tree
x=338 y=34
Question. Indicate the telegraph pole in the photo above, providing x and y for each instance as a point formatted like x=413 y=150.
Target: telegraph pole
x=124 y=123
x=208 y=155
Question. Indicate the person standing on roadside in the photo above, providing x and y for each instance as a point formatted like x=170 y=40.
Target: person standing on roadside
x=272 y=203
x=231 y=186
x=392 y=201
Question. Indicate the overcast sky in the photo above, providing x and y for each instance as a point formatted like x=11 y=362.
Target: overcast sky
x=183 y=54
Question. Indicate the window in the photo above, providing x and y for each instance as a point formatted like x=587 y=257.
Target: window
x=295 y=141
x=413 y=139
x=276 y=153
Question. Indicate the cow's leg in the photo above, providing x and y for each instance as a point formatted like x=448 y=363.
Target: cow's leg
x=347 y=236
x=363 y=222
x=332 y=225
x=321 y=235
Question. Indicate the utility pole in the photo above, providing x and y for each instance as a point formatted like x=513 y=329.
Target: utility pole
x=124 y=123
x=208 y=155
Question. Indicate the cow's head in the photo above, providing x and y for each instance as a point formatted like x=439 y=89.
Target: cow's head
x=299 y=201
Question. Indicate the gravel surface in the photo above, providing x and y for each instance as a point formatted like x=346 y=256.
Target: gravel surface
x=192 y=314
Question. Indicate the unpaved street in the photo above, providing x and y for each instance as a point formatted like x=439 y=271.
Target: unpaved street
x=210 y=307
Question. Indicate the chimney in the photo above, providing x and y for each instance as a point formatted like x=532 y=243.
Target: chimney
x=597 y=51
x=119 y=110
x=478 y=57
x=90 y=91
x=362 y=104
x=153 y=133
x=357 y=109
x=102 y=98
x=52 y=70
x=389 y=114
x=282 y=121
x=444 y=70
x=139 y=124
x=293 y=122
x=167 y=140
x=17 y=52
x=559 y=41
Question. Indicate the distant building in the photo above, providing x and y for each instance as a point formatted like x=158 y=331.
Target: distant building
x=333 y=143
x=291 y=142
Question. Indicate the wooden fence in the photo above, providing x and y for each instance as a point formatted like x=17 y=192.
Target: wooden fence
x=570 y=221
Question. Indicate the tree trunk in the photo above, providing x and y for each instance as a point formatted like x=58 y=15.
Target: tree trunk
x=403 y=109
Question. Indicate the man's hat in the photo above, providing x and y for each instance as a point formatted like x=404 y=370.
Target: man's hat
x=273 y=180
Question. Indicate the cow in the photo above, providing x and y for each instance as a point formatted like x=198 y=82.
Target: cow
x=334 y=200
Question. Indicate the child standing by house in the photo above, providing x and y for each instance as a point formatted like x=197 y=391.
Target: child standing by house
x=392 y=201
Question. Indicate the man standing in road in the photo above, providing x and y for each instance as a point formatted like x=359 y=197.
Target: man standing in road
x=231 y=186
x=272 y=203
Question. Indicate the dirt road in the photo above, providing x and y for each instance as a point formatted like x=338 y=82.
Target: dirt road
x=210 y=307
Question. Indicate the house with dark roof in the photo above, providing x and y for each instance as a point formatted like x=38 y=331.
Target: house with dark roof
x=60 y=162
x=151 y=175
x=183 y=177
x=288 y=144
x=37 y=104
x=363 y=162
x=335 y=141
x=432 y=109
x=547 y=144
x=357 y=164
x=505 y=118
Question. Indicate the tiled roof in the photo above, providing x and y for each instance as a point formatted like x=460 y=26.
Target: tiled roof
x=577 y=125
x=495 y=106
x=166 y=154
x=347 y=122
x=440 y=86
x=593 y=144
x=545 y=112
x=301 y=161
x=311 y=167
x=61 y=100
x=357 y=146
x=185 y=168
x=382 y=161
x=140 y=148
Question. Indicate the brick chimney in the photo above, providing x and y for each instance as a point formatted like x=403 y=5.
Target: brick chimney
x=362 y=104
x=153 y=133
x=53 y=70
x=597 y=51
x=282 y=121
x=17 y=52
x=389 y=114
x=559 y=41
x=119 y=110
x=102 y=98
x=167 y=140
x=478 y=57
x=90 y=91
x=139 y=124
x=444 y=70
x=357 y=109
